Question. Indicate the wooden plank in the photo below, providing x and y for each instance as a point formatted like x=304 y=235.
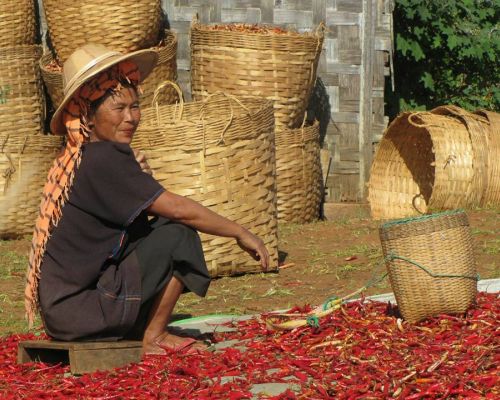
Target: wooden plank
x=342 y=18
x=243 y=15
x=336 y=68
x=345 y=117
x=350 y=5
x=302 y=19
x=319 y=11
x=267 y=11
x=82 y=357
x=365 y=113
x=330 y=79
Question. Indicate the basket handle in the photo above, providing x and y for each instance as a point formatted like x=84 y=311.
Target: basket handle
x=154 y=102
x=231 y=117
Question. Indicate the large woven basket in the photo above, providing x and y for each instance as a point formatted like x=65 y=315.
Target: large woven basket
x=22 y=103
x=122 y=25
x=219 y=152
x=298 y=174
x=479 y=135
x=280 y=67
x=424 y=162
x=431 y=264
x=165 y=69
x=24 y=163
x=492 y=193
x=17 y=22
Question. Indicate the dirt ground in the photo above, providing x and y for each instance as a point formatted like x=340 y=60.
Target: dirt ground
x=322 y=259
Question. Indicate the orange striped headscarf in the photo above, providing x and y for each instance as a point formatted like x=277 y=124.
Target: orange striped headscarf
x=62 y=172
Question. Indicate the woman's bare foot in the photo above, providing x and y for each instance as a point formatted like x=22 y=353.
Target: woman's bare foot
x=167 y=342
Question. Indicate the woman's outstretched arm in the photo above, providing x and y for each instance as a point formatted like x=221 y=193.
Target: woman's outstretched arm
x=189 y=212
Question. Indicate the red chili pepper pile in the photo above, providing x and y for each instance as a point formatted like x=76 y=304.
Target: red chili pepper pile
x=357 y=352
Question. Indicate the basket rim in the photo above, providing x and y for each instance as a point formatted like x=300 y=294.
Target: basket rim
x=420 y=218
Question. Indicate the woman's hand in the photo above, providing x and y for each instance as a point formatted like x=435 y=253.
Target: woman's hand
x=254 y=246
x=141 y=159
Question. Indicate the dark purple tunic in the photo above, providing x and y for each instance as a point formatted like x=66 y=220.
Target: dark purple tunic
x=90 y=285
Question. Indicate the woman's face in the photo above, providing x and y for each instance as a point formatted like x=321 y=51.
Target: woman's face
x=116 y=118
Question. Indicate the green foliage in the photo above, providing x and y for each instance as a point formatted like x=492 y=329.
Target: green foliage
x=447 y=52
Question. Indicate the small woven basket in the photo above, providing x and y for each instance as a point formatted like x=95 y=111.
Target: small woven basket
x=424 y=162
x=298 y=174
x=165 y=69
x=431 y=264
x=22 y=102
x=121 y=25
x=492 y=192
x=219 y=152
x=17 y=23
x=24 y=164
x=279 y=67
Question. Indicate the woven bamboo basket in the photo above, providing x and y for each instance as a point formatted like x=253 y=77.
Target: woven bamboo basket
x=479 y=132
x=431 y=264
x=122 y=25
x=298 y=174
x=17 y=23
x=492 y=192
x=165 y=69
x=424 y=162
x=22 y=102
x=24 y=163
x=219 y=152
x=279 y=67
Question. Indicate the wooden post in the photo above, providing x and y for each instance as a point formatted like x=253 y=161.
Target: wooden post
x=366 y=78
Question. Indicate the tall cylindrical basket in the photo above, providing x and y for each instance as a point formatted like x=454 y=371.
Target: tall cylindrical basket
x=431 y=264
x=219 y=152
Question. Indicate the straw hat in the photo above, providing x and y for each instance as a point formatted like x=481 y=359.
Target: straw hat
x=88 y=61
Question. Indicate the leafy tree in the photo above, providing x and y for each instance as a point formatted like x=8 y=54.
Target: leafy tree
x=447 y=52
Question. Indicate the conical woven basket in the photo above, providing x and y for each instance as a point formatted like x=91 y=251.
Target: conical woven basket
x=431 y=264
x=17 y=23
x=165 y=69
x=24 y=164
x=121 y=25
x=22 y=102
x=219 y=152
x=424 y=162
x=492 y=192
x=298 y=174
x=279 y=67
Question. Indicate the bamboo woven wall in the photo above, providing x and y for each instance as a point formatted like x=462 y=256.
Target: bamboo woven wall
x=349 y=96
x=352 y=70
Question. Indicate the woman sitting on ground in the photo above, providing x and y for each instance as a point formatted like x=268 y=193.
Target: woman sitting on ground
x=100 y=268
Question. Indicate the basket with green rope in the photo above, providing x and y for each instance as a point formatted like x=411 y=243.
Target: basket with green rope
x=431 y=264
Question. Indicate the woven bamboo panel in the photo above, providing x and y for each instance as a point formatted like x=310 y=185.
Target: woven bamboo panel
x=279 y=67
x=424 y=161
x=122 y=25
x=17 y=23
x=22 y=103
x=298 y=174
x=479 y=132
x=165 y=69
x=418 y=248
x=492 y=193
x=24 y=164
x=221 y=154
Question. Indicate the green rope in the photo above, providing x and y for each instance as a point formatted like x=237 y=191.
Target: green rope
x=421 y=218
x=391 y=257
x=313 y=321
x=327 y=303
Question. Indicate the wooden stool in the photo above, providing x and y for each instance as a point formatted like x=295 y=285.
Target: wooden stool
x=81 y=356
